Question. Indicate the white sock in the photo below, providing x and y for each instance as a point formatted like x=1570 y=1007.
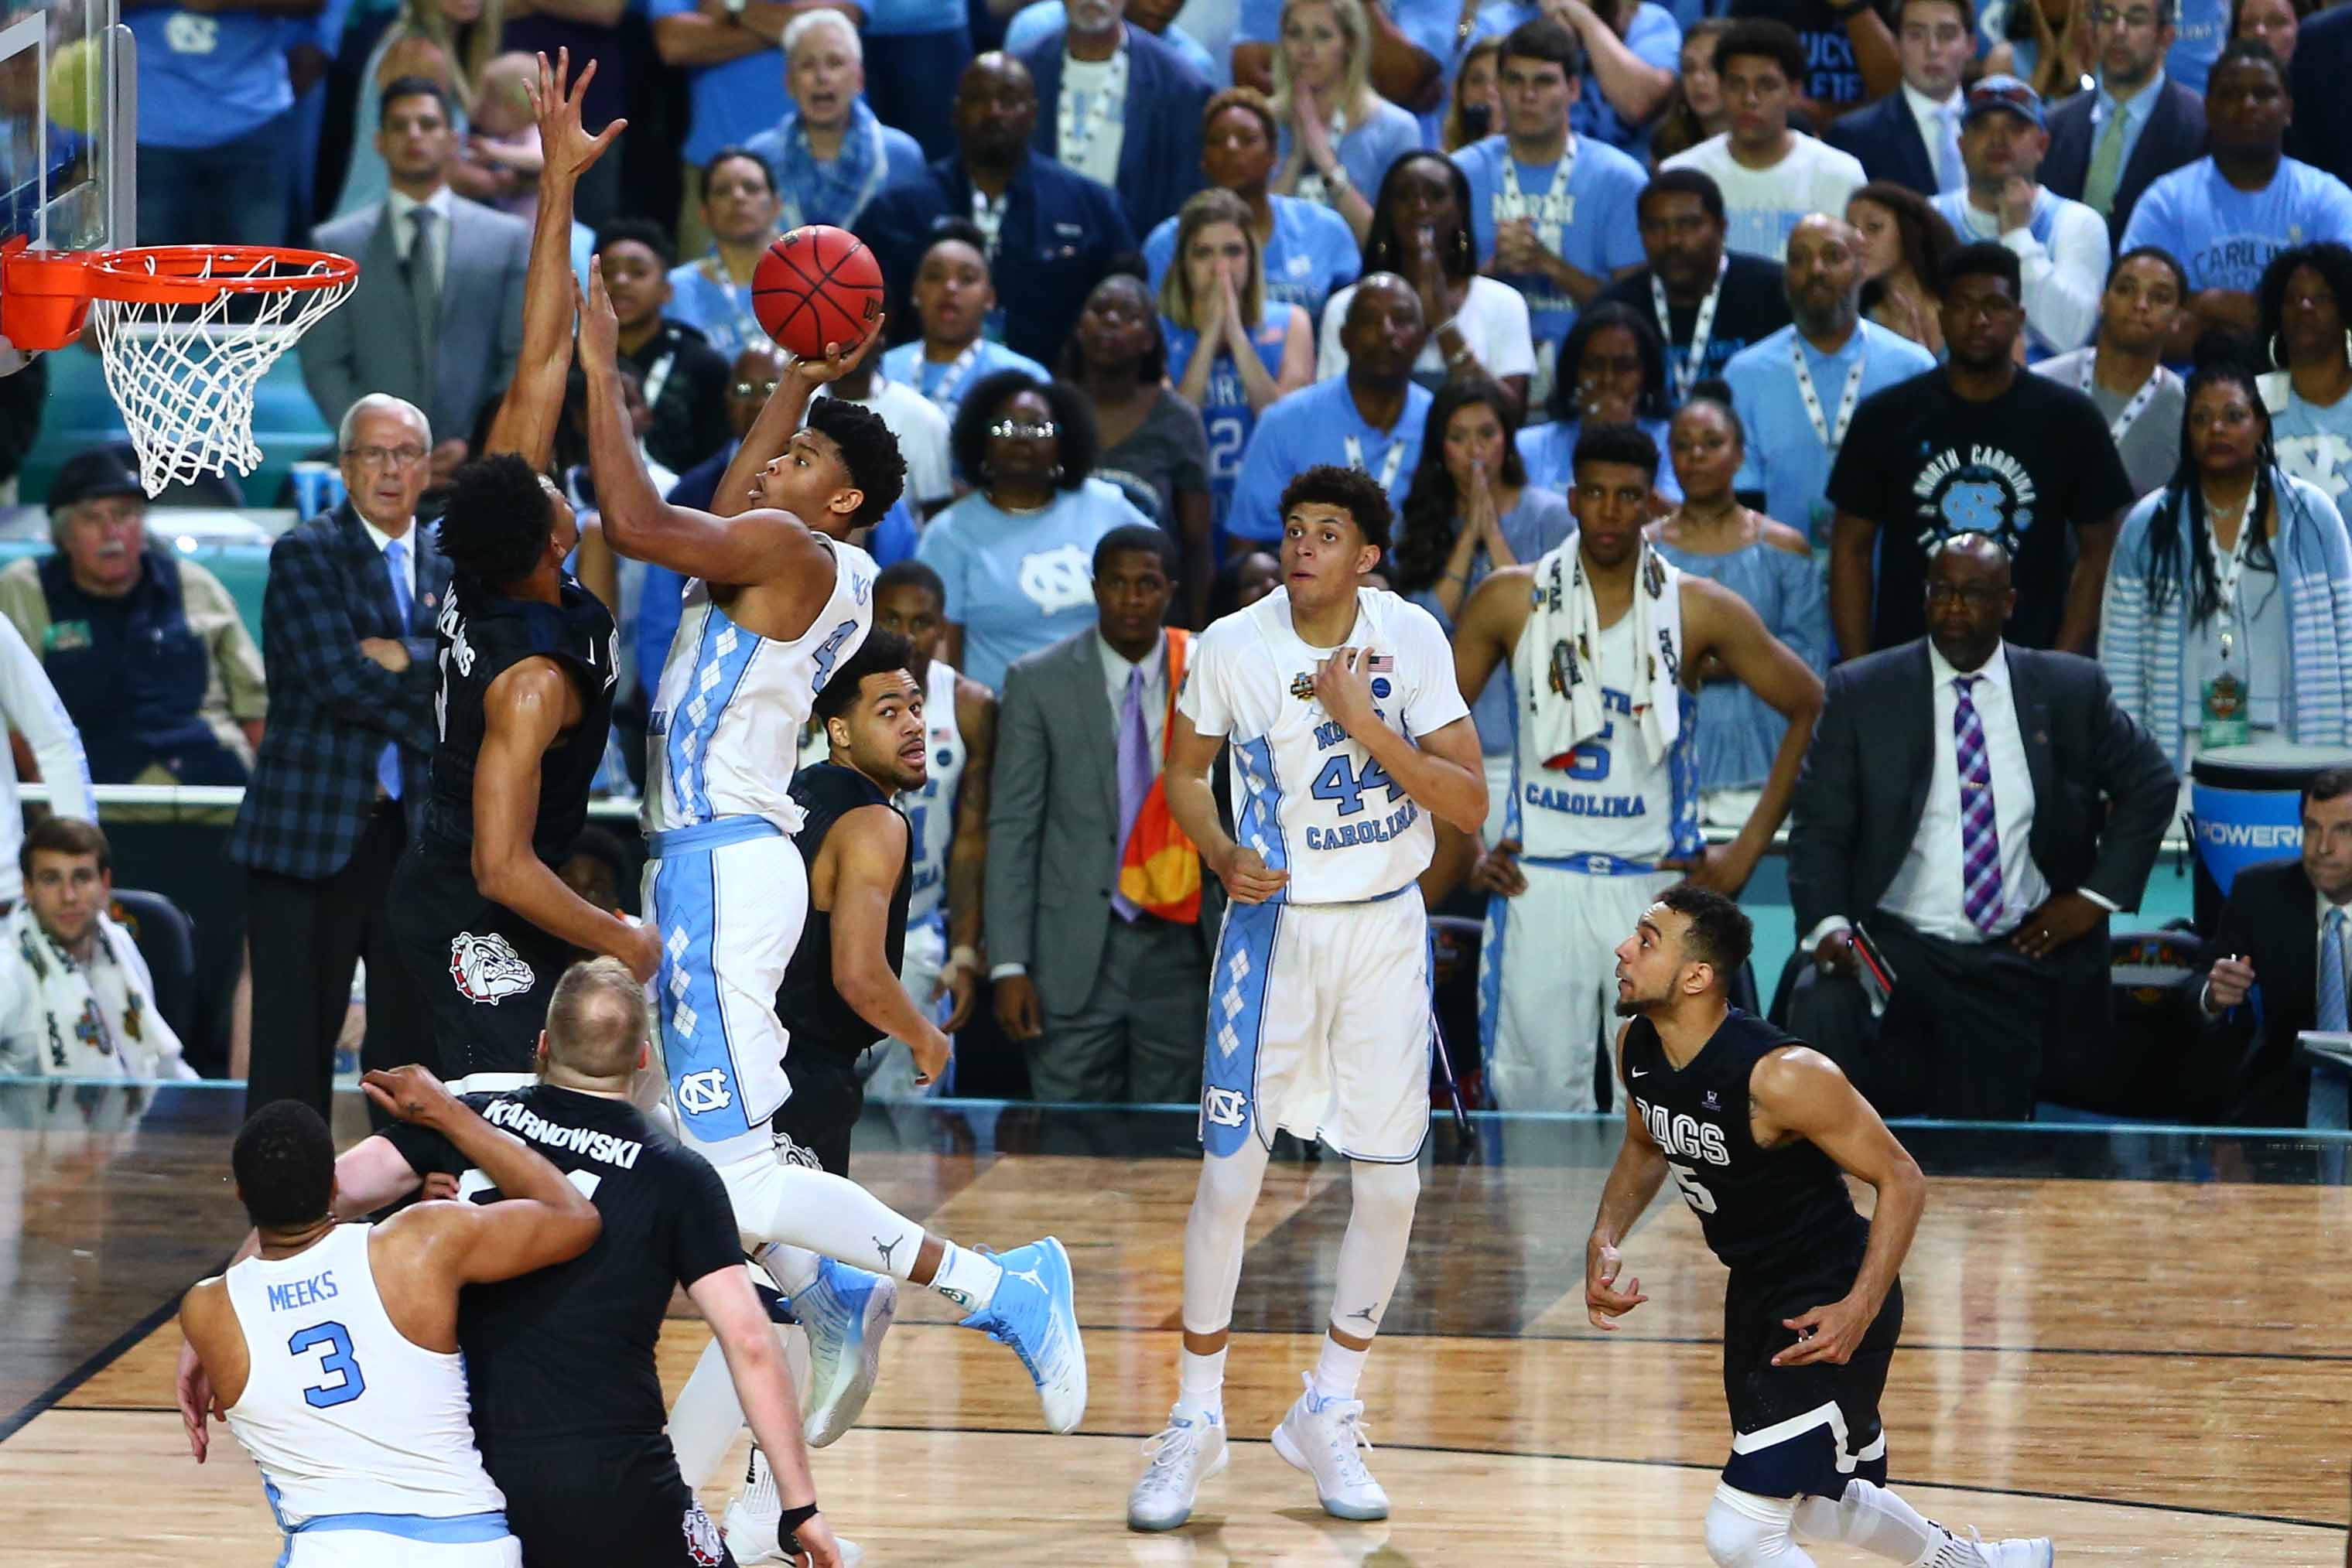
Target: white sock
x=794 y=1269
x=1200 y=1385
x=704 y=1421
x=966 y=1278
x=1874 y=1519
x=1339 y=1370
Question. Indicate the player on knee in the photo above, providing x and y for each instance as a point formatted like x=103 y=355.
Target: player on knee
x=1348 y=734
x=1607 y=643
x=777 y=601
x=567 y=1401
x=842 y=995
x=527 y=680
x=1756 y=1129
x=331 y=1350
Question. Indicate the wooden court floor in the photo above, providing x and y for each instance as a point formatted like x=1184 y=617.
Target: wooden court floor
x=2139 y=1345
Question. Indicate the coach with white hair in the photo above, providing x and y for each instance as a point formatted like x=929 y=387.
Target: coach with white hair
x=347 y=637
x=830 y=155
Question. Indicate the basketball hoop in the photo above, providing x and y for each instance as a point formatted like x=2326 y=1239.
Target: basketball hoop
x=181 y=360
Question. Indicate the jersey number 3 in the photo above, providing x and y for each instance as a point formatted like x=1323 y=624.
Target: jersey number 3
x=1336 y=782
x=337 y=1363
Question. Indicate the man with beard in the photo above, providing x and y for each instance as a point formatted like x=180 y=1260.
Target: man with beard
x=1708 y=303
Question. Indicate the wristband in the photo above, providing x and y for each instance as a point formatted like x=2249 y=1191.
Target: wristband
x=787 y=1522
x=966 y=957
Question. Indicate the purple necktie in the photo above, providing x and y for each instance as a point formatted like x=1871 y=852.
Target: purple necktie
x=1135 y=771
x=1979 y=833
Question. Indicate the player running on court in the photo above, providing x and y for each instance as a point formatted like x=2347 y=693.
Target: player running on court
x=333 y=1352
x=776 y=601
x=1348 y=734
x=1606 y=642
x=1756 y=1127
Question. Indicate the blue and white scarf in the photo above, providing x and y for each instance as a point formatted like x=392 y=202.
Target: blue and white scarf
x=834 y=193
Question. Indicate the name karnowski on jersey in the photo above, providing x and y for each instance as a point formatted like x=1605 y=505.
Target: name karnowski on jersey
x=605 y=1148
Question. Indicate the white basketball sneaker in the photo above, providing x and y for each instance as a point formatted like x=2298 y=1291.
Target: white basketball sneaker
x=1326 y=1438
x=1975 y=1551
x=1189 y=1451
x=753 y=1519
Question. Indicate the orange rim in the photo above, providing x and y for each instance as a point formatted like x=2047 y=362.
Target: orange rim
x=192 y=274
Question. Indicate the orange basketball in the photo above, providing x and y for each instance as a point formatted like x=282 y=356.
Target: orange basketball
x=817 y=285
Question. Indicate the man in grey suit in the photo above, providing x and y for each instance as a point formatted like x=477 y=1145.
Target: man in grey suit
x=1978 y=810
x=1109 y=999
x=436 y=320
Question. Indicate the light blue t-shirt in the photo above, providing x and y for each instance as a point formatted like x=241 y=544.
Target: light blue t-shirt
x=1549 y=453
x=1018 y=582
x=1036 y=23
x=208 y=78
x=1366 y=150
x=1588 y=222
x=2201 y=29
x=706 y=298
x=1786 y=457
x=1312 y=254
x=732 y=102
x=910 y=18
x=946 y=385
x=1655 y=37
x=2315 y=443
x=2225 y=236
x=1320 y=424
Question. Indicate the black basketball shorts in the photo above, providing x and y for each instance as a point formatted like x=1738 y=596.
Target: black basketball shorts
x=813 y=1126
x=1807 y=1430
x=604 y=1500
x=485 y=971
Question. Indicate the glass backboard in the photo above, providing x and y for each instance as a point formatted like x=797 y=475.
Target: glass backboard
x=68 y=121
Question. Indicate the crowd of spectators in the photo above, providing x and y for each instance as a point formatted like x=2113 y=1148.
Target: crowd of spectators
x=2068 y=284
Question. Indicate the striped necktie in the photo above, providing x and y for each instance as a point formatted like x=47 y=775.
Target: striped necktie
x=1979 y=833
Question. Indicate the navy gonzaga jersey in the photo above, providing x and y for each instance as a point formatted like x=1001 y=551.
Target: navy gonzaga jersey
x=1756 y=1206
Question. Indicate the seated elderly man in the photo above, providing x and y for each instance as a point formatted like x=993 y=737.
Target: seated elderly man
x=145 y=648
x=76 y=998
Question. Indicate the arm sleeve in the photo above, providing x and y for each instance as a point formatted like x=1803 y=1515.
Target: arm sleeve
x=1436 y=696
x=1511 y=344
x=704 y=1239
x=33 y=707
x=2064 y=280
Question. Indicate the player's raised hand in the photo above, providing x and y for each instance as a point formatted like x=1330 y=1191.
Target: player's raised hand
x=1343 y=684
x=1829 y=1335
x=1609 y=1291
x=838 y=362
x=600 y=329
x=193 y=1391
x=410 y=1093
x=1246 y=878
x=563 y=141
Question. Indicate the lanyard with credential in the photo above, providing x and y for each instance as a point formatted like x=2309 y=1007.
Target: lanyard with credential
x=2123 y=422
x=1832 y=433
x=1392 y=461
x=1074 y=132
x=1686 y=374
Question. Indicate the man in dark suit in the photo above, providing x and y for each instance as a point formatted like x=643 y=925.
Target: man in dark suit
x=1913 y=137
x=2321 y=133
x=348 y=645
x=437 y=318
x=2109 y=144
x=1052 y=234
x=1980 y=810
x=1108 y=996
x=1152 y=156
x=2258 y=982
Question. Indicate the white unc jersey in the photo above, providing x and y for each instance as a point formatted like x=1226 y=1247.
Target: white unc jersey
x=931 y=810
x=1306 y=796
x=730 y=710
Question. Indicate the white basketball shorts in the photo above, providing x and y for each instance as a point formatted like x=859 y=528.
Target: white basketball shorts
x=1548 y=980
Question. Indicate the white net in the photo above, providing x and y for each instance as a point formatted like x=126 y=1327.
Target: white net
x=183 y=375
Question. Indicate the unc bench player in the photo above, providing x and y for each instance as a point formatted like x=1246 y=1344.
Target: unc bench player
x=1348 y=734
x=333 y=1352
x=1759 y=1132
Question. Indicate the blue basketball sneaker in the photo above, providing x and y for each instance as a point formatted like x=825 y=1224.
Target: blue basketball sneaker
x=1036 y=1311
x=845 y=1314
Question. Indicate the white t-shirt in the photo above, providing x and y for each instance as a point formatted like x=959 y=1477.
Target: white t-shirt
x=1307 y=796
x=921 y=427
x=1493 y=321
x=1090 y=123
x=1761 y=205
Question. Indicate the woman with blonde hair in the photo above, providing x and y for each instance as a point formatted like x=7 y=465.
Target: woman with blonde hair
x=1338 y=136
x=1474 y=111
x=1231 y=350
x=451 y=42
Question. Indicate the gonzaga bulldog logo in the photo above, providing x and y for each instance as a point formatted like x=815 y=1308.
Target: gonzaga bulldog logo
x=702 y=1540
x=486 y=969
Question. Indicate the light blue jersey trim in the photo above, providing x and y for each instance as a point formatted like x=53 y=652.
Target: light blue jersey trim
x=452 y=1530
x=715 y=834
x=1236 y=1023
x=706 y=1081
x=698 y=716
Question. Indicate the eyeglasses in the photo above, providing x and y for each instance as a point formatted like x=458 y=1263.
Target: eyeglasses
x=756 y=389
x=2138 y=18
x=1012 y=430
x=1975 y=595
x=385 y=457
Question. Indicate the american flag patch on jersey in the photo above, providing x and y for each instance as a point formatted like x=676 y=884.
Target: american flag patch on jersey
x=1379 y=664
